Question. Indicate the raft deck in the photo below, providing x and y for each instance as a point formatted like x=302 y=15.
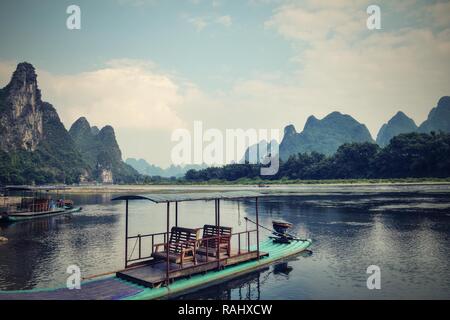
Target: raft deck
x=153 y=274
x=105 y=289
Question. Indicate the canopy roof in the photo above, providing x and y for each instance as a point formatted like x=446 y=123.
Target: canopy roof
x=195 y=196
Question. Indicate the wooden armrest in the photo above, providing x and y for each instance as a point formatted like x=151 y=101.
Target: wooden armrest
x=187 y=250
x=158 y=245
x=184 y=250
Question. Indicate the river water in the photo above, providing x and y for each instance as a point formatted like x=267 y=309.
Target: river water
x=402 y=229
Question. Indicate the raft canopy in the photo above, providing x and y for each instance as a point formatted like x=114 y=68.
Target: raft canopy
x=234 y=256
x=199 y=196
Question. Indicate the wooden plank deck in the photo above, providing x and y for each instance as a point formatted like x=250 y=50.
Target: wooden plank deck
x=153 y=274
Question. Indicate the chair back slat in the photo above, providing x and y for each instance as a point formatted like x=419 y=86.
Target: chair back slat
x=210 y=231
x=181 y=238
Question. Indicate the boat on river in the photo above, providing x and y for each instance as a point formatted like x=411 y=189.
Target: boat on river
x=31 y=202
x=180 y=259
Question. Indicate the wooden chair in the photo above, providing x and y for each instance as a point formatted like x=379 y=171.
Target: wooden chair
x=209 y=247
x=181 y=246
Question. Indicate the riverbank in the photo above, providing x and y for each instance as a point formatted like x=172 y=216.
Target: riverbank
x=260 y=182
x=258 y=185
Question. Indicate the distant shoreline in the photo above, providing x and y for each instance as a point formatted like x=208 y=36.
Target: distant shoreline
x=259 y=185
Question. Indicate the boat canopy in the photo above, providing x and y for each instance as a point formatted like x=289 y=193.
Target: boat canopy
x=175 y=198
x=196 y=196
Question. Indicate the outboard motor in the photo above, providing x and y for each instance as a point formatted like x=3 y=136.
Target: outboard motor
x=280 y=234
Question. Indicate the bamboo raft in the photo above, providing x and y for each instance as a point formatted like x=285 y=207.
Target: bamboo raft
x=115 y=288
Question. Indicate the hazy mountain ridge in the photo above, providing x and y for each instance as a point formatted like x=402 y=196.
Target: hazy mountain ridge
x=323 y=136
x=398 y=124
x=143 y=167
x=259 y=152
x=438 y=118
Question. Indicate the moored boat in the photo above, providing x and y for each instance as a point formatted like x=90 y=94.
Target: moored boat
x=32 y=202
x=34 y=215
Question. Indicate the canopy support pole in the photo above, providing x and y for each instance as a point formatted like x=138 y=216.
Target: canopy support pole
x=167 y=244
x=257 y=228
x=176 y=214
x=218 y=232
x=126 y=234
x=218 y=212
x=215 y=212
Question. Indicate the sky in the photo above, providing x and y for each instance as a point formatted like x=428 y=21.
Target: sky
x=149 y=67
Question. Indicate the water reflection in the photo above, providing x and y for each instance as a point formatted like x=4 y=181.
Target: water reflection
x=246 y=287
x=39 y=251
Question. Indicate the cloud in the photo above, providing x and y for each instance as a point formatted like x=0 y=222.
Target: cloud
x=124 y=94
x=216 y=3
x=225 y=21
x=136 y=3
x=439 y=14
x=340 y=65
x=201 y=23
x=263 y=2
